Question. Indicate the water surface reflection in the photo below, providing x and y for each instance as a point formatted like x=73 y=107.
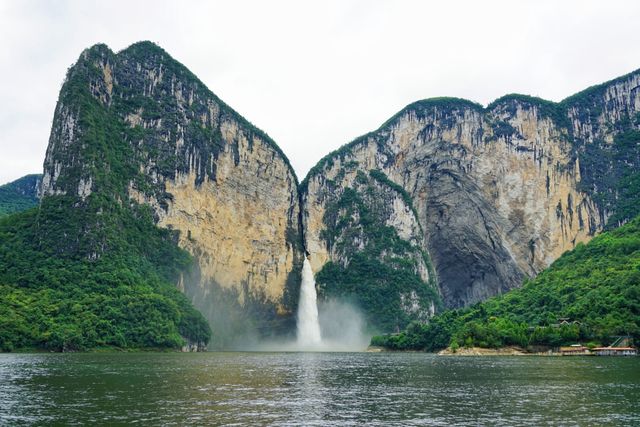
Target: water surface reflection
x=316 y=389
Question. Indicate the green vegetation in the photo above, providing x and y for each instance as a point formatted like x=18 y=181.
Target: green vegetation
x=83 y=273
x=149 y=51
x=610 y=172
x=19 y=195
x=594 y=93
x=384 y=180
x=596 y=285
x=587 y=104
x=64 y=302
x=611 y=175
x=421 y=109
x=557 y=112
x=380 y=275
x=327 y=161
x=502 y=129
x=445 y=105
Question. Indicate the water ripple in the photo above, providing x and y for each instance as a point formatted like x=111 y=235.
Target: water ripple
x=316 y=389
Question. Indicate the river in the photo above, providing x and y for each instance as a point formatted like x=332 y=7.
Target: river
x=316 y=389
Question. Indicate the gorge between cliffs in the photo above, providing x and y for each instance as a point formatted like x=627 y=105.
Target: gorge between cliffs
x=446 y=204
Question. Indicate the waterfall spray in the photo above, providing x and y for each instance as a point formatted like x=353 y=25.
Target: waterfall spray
x=308 y=324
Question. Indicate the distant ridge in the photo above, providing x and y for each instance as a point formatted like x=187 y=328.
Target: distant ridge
x=19 y=195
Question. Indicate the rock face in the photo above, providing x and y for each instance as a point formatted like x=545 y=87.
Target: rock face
x=448 y=203
x=372 y=247
x=207 y=173
x=498 y=192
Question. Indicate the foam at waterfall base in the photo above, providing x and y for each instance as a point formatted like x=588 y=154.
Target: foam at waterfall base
x=342 y=327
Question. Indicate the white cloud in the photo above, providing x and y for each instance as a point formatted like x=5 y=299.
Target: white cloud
x=315 y=75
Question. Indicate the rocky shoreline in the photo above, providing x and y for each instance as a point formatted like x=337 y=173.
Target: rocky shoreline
x=478 y=351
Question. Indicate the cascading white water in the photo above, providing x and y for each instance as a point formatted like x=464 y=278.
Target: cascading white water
x=308 y=324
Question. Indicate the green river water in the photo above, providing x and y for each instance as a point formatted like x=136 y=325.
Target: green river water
x=316 y=389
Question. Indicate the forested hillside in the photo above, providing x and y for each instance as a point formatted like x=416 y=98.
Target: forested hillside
x=19 y=195
x=595 y=288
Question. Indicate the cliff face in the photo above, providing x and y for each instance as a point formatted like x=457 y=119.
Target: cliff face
x=499 y=193
x=370 y=244
x=151 y=133
x=448 y=203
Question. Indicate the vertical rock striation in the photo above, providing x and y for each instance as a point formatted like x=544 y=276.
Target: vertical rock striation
x=447 y=203
x=499 y=192
x=163 y=140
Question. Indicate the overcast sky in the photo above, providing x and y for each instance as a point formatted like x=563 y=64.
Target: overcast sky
x=315 y=75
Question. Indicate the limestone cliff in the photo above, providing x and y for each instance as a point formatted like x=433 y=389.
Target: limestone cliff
x=499 y=192
x=372 y=248
x=161 y=139
x=447 y=202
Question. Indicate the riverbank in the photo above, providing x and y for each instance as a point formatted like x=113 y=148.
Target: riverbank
x=478 y=351
x=504 y=351
x=473 y=351
x=109 y=349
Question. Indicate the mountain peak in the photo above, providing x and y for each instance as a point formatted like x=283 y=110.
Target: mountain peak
x=144 y=47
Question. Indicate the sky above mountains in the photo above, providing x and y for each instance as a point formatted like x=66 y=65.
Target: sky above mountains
x=315 y=75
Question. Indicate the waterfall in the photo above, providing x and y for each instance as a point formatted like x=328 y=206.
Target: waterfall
x=308 y=325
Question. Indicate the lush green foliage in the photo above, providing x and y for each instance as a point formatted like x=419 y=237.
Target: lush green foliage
x=444 y=105
x=610 y=174
x=382 y=267
x=19 y=195
x=122 y=299
x=80 y=273
x=148 y=51
x=596 y=285
x=546 y=109
x=384 y=180
x=609 y=171
x=594 y=93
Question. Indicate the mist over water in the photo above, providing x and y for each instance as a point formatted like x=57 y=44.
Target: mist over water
x=331 y=325
x=342 y=329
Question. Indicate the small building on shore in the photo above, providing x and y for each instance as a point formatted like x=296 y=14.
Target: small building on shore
x=574 y=350
x=615 y=351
